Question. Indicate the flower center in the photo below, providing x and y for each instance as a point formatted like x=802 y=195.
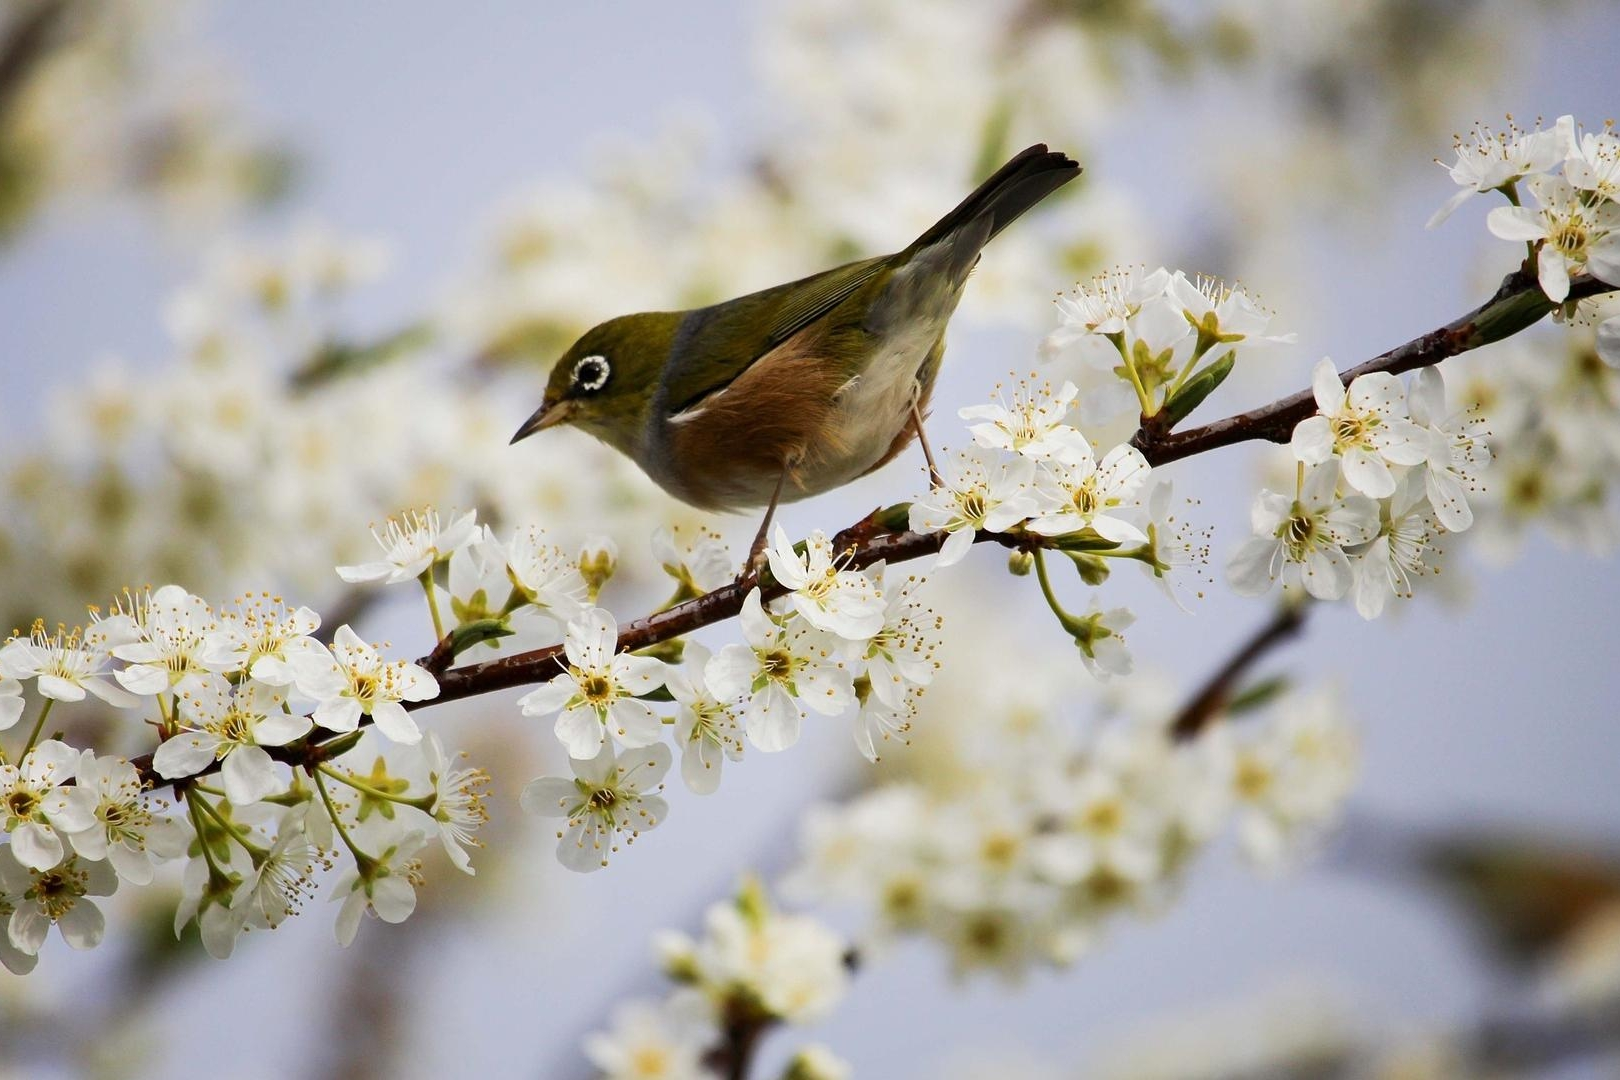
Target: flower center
x=1104 y=817
x=1570 y=237
x=22 y=804
x=777 y=664
x=1353 y=429
x=598 y=689
x=1251 y=779
x=973 y=506
x=1085 y=499
x=1299 y=534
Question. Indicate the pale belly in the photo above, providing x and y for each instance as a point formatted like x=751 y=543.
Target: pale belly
x=872 y=410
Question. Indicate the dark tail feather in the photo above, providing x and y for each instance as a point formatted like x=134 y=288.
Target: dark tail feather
x=1028 y=178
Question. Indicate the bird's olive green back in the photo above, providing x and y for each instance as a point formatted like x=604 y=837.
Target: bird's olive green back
x=716 y=344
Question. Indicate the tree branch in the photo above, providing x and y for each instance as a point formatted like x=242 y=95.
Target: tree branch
x=1518 y=303
x=879 y=537
x=1205 y=706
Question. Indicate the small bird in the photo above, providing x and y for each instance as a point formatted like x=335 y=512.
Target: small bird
x=797 y=389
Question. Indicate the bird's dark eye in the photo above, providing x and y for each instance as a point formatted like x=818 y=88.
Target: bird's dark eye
x=591 y=373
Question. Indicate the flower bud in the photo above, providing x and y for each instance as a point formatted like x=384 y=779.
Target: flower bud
x=1019 y=563
x=598 y=558
x=1093 y=568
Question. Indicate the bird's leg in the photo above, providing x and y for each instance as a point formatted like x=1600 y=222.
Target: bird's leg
x=934 y=479
x=755 y=564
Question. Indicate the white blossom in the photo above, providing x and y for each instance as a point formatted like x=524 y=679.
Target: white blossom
x=978 y=490
x=458 y=803
x=1365 y=424
x=55 y=895
x=385 y=887
x=1032 y=424
x=828 y=596
x=217 y=722
x=779 y=673
x=1574 y=234
x=38 y=809
x=1385 y=567
x=1304 y=538
x=1594 y=164
x=265 y=639
x=610 y=800
x=65 y=665
x=546 y=575
x=412 y=544
x=169 y=629
x=793 y=965
x=707 y=730
x=1222 y=314
x=651 y=1041
x=358 y=682
x=598 y=694
x=1176 y=548
x=1489 y=160
x=1082 y=494
x=1456 y=452
x=899 y=658
x=699 y=565
x=128 y=832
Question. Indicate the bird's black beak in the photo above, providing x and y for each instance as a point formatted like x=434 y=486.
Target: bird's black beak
x=547 y=415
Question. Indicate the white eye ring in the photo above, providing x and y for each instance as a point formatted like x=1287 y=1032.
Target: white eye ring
x=594 y=381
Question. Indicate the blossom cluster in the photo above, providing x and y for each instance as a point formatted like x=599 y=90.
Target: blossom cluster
x=753 y=967
x=1030 y=858
x=840 y=641
x=1574 y=178
x=1383 y=471
x=259 y=727
x=1031 y=473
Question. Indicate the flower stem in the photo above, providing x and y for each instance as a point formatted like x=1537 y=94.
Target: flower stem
x=361 y=858
x=39 y=725
x=426 y=579
x=214 y=872
x=1046 y=590
x=421 y=802
x=255 y=852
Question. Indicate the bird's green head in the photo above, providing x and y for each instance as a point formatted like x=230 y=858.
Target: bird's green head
x=606 y=381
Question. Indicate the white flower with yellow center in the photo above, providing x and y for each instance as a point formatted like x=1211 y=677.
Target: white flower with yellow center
x=1365 y=424
x=128 y=833
x=1083 y=494
x=707 y=730
x=1033 y=424
x=358 y=682
x=1573 y=233
x=1222 y=314
x=1303 y=539
x=1594 y=165
x=412 y=545
x=65 y=665
x=545 y=575
x=55 y=895
x=171 y=628
x=781 y=671
x=1488 y=160
x=36 y=809
x=264 y=637
x=828 y=597
x=598 y=694
x=979 y=489
x=232 y=726
x=611 y=800
x=651 y=1041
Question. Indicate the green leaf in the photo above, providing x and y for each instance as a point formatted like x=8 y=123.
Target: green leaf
x=1196 y=389
x=1256 y=695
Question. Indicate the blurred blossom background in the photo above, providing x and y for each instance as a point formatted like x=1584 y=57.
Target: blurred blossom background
x=271 y=272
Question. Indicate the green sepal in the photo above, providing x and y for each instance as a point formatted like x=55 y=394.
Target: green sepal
x=336 y=748
x=477 y=632
x=1196 y=389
